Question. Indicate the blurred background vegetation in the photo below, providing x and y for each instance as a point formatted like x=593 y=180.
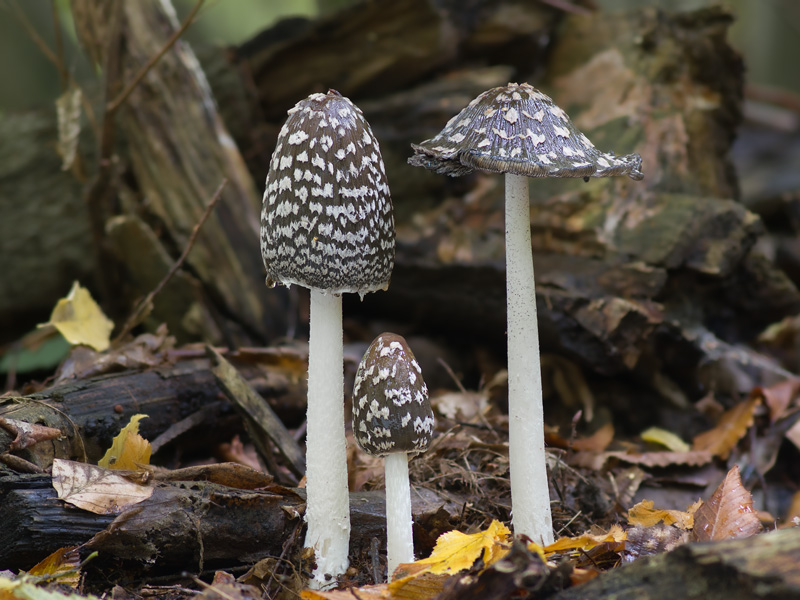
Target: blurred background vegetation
x=766 y=32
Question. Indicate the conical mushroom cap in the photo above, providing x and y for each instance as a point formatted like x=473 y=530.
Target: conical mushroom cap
x=517 y=129
x=391 y=410
x=326 y=220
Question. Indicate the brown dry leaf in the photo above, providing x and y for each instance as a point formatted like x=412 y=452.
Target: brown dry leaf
x=793 y=434
x=62 y=564
x=597 y=442
x=586 y=542
x=732 y=426
x=27 y=434
x=129 y=451
x=233 y=475
x=95 y=489
x=778 y=397
x=644 y=515
x=662 y=437
x=728 y=513
x=692 y=458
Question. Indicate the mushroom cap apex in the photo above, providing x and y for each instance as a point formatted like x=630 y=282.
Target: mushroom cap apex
x=391 y=409
x=520 y=130
x=326 y=219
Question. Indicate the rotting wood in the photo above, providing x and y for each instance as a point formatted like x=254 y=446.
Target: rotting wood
x=184 y=524
x=262 y=422
x=167 y=119
x=91 y=412
x=762 y=566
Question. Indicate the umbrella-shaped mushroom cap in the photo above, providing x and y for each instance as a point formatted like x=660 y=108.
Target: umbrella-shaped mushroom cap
x=517 y=129
x=326 y=221
x=391 y=409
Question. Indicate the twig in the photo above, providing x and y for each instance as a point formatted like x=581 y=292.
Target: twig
x=114 y=104
x=133 y=320
x=62 y=68
x=31 y=31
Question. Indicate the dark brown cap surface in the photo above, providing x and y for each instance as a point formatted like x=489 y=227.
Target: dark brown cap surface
x=517 y=129
x=326 y=221
x=391 y=410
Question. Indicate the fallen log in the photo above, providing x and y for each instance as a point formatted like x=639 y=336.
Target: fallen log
x=188 y=526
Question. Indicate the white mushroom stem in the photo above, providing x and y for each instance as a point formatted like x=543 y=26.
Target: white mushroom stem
x=399 y=539
x=328 y=500
x=530 y=498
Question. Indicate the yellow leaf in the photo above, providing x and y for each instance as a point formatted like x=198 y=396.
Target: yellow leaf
x=59 y=564
x=129 y=450
x=662 y=437
x=586 y=541
x=456 y=551
x=644 y=515
x=79 y=319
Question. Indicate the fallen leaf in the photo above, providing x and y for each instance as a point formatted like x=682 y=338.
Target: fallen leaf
x=586 y=542
x=662 y=437
x=728 y=513
x=597 y=442
x=79 y=319
x=732 y=426
x=22 y=588
x=27 y=434
x=129 y=451
x=644 y=515
x=778 y=397
x=692 y=458
x=368 y=592
x=456 y=551
x=62 y=565
x=98 y=490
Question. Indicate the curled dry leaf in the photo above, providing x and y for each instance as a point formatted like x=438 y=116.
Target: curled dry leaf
x=662 y=437
x=728 y=513
x=27 y=434
x=692 y=458
x=597 y=442
x=586 y=542
x=62 y=565
x=778 y=397
x=129 y=451
x=456 y=551
x=95 y=489
x=644 y=515
x=732 y=426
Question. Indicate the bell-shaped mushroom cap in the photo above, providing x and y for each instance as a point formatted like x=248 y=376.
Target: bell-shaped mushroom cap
x=326 y=221
x=517 y=129
x=391 y=410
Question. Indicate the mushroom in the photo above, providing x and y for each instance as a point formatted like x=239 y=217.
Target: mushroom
x=392 y=417
x=327 y=224
x=519 y=131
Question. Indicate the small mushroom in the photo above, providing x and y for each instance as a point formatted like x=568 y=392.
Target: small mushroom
x=392 y=417
x=519 y=131
x=327 y=224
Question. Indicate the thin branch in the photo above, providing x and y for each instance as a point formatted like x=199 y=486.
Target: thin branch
x=31 y=31
x=60 y=63
x=112 y=106
x=140 y=309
